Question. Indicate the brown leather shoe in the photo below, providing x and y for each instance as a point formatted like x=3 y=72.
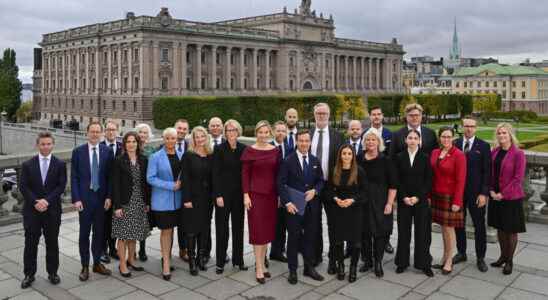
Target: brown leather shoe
x=183 y=254
x=84 y=274
x=100 y=269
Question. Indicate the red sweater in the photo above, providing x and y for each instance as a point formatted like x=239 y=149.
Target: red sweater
x=449 y=174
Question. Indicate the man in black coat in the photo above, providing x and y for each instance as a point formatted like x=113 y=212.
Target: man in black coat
x=43 y=181
x=476 y=190
x=111 y=133
x=325 y=144
x=302 y=172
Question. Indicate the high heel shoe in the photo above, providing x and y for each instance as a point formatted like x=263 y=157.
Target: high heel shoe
x=135 y=268
x=266 y=274
x=498 y=263
x=167 y=277
x=446 y=272
x=170 y=267
x=261 y=280
x=126 y=275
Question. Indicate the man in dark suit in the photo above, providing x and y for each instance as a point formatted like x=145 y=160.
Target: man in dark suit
x=354 y=133
x=111 y=132
x=303 y=172
x=91 y=192
x=291 y=120
x=277 y=248
x=325 y=144
x=43 y=181
x=476 y=191
x=215 y=128
x=182 y=127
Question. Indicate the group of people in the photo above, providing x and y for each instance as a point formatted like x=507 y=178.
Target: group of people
x=284 y=181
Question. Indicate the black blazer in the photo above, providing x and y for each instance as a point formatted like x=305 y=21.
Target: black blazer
x=429 y=141
x=119 y=149
x=478 y=169
x=416 y=180
x=122 y=181
x=335 y=141
x=291 y=175
x=227 y=171
x=32 y=188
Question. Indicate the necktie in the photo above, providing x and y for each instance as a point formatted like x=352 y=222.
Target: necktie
x=281 y=150
x=354 y=147
x=319 y=147
x=305 y=166
x=290 y=141
x=44 y=169
x=95 y=171
x=113 y=149
x=467 y=146
x=180 y=147
x=216 y=142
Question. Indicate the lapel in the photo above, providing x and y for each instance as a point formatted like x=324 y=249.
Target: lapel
x=50 y=170
x=37 y=169
x=297 y=163
x=165 y=162
x=85 y=154
x=408 y=160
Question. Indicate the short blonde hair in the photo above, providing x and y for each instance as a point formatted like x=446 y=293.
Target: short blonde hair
x=147 y=127
x=261 y=124
x=169 y=131
x=192 y=144
x=510 y=129
x=412 y=106
x=235 y=124
x=377 y=134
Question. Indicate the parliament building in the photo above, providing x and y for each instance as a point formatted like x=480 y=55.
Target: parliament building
x=115 y=70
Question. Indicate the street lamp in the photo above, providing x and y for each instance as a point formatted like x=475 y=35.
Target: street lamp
x=3 y=114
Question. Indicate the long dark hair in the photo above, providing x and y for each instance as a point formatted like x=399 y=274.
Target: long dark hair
x=353 y=178
x=137 y=139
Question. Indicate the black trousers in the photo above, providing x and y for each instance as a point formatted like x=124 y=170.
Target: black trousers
x=478 y=218
x=302 y=235
x=110 y=243
x=373 y=247
x=48 y=224
x=330 y=233
x=236 y=215
x=181 y=238
x=207 y=235
x=420 y=216
x=278 y=245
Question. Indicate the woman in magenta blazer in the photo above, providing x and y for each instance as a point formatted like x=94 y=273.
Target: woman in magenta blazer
x=505 y=211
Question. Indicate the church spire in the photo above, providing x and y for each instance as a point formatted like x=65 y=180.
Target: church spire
x=455 y=52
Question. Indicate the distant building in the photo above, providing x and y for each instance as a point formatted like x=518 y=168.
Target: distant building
x=521 y=87
x=455 y=53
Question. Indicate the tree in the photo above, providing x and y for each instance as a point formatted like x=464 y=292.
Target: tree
x=10 y=85
x=24 y=113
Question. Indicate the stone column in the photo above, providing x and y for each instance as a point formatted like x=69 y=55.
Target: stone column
x=213 y=74
x=378 y=74
x=183 y=66
x=130 y=70
x=176 y=69
x=354 y=72
x=242 y=68
x=333 y=72
x=156 y=85
x=282 y=69
x=387 y=71
x=253 y=69
x=120 y=79
x=267 y=69
x=227 y=74
x=97 y=71
x=198 y=68
x=336 y=72
x=346 y=73
x=77 y=87
x=298 y=74
x=322 y=72
x=143 y=52
x=369 y=73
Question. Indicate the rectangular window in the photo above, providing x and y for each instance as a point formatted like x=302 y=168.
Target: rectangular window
x=164 y=83
x=83 y=83
x=105 y=83
x=495 y=83
x=513 y=84
x=135 y=54
x=124 y=57
x=93 y=84
x=458 y=84
x=522 y=95
x=466 y=84
x=136 y=83
x=218 y=59
x=124 y=106
x=513 y=95
x=124 y=83
x=115 y=57
x=164 y=55
x=487 y=84
x=523 y=84
x=81 y=103
x=504 y=94
x=113 y=105
x=105 y=57
x=134 y=106
x=479 y=84
x=92 y=58
x=232 y=59
x=504 y=84
x=83 y=61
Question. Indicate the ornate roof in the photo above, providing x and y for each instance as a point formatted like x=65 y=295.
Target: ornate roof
x=499 y=70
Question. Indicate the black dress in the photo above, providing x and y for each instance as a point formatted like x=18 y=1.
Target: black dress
x=196 y=189
x=348 y=222
x=380 y=176
x=505 y=215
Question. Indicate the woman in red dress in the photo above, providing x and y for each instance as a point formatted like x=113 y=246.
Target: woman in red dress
x=449 y=176
x=259 y=170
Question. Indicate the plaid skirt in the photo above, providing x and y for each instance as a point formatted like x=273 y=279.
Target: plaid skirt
x=442 y=213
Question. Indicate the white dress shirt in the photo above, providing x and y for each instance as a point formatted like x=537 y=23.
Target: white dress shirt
x=300 y=156
x=470 y=140
x=90 y=150
x=325 y=149
x=412 y=155
x=292 y=137
x=41 y=161
x=278 y=146
x=114 y=148
x=358 y=142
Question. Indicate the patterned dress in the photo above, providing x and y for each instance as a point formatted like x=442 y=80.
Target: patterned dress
x=134 y=224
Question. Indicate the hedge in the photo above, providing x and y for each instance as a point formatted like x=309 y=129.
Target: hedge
x=248 y=110
x=515 y=115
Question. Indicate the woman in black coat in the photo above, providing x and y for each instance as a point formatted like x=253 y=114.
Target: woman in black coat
x=228 y=195
x=197 y=197
x=381 y=183
x=346 y=189
x=131 y=201
x=415 y=182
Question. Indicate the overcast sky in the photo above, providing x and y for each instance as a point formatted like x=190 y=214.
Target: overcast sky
x=510 y=30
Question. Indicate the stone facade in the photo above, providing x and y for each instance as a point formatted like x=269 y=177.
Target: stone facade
x=115 y=70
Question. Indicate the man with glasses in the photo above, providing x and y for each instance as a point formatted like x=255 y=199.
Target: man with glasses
x=476 y=191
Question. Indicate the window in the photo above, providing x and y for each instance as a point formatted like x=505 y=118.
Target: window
x=188 y=83
x=504 y=84
x=495 y=83
x=513 y=84
x=523 y=84
x=124 y=106
x=125 y=83
x=487 y=84
x=203 y=83
x=91 y=104
x=83 y=61
x=115 y=57
x=93 y=84
x=123 y=123
x=257 y=59
x=203 y=57
x=124 y=57
x=83 y=83
x=72 y=103
x=218 y=85
x=134 y=106
x=513 y=95
x=188 y=57
x=135 y=54
x=218 y=59
x=466 y=84
x=164 y=56
x=522 y=95
x=104 y=105
x=105 y=57
x=92 y=58
x=81 y=103
x=291 y=61
x=74 y=83
x=245 y=60
x=231 y=83
x=504 y=94
x=458 y=84
x=479 y=83
x=232 y=59
x=136 y=83
x=105 y=83
x=290 y=84
x=164 y=83
x=245 y=83
x=113 y=105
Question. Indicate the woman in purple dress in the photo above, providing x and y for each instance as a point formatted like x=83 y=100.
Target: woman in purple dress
x=259 y=170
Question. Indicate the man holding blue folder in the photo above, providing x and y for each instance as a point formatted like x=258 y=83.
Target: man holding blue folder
x=300 y=180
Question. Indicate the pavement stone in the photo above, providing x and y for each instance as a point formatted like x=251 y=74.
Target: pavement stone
x=373 y=288
x=533 y=283
x=471 y=288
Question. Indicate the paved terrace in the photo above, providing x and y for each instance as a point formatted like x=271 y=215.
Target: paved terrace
x=529 y=280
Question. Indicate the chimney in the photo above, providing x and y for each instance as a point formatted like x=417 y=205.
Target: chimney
x=37 y=58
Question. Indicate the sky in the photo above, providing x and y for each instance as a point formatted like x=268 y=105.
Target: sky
x=509 y=30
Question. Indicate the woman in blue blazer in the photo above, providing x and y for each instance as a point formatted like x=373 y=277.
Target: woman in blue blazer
x=164 y=176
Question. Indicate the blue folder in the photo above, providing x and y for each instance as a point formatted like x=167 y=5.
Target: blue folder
x=298 y=199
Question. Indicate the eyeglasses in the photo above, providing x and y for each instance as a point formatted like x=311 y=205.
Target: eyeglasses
x=414 y=115
x=469 y=126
